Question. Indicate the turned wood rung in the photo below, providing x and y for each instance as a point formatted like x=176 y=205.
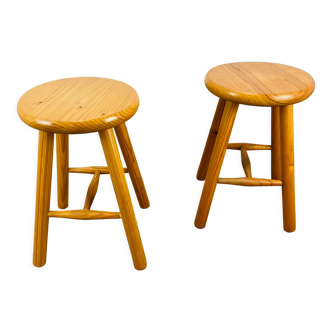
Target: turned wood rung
x=92 y=191
x=251 y=182
x=84 y=214
x=248 y=146
x=246 y=162
x=92 y=170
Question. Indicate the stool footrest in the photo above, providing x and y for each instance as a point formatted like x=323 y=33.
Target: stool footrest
x=92 y=170
x=84 y=214
x=248 y=146
x=250 y=182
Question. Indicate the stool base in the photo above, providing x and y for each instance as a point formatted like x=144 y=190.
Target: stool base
x=117 y=173
x=282 y=160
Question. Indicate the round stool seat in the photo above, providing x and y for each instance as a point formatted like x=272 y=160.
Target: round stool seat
x=260 y=83
x=78 y=105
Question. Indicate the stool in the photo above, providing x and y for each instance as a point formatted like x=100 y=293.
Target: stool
x=258 y=84
x=77 y=106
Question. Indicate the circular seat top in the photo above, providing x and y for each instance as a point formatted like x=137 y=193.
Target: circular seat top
x=78 y=105
x=260 y=83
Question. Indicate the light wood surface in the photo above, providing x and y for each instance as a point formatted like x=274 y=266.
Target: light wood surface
x=287 y=164
x=92 y=170
x=248 y=146
x=84 y=214
x=43 y=196
x=78 y=105
x=250 y=182
x=260 y=83
x=275 y=142
x=206 y=157
x=122 y=194
x=246 y=162
x=92 y=190
x=217 y=158
x=62 y=156
x=132 y=165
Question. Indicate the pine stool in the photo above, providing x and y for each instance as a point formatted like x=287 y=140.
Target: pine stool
x=258 y=84
x=77 y=106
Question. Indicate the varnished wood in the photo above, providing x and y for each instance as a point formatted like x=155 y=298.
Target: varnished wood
x=205 y=161
x=216 y=161
x=248 y=146
x=287 y=163
x=62 y=156
x=84 y=214
x=74 y=106
x=275 y=142
x=250 y=182
x=43 y=196
x=246 y=162
x=92 y=170
x=122 y=194
x=78 y=105
x=132 y=165
x=92 y=190
x=260 y=83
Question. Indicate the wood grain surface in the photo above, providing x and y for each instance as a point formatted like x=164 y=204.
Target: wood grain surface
x=260 y=83
x=62 y=157
x=78 y=105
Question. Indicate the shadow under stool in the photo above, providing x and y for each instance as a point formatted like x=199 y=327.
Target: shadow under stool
x=258 y=84
x=77 y=106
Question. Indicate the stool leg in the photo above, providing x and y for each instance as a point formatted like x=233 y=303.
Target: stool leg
x=43 y=196
x=131 y=163
x=62 y=154
x=287 y=163
x=217 y=158
x=122 y=194
x=275 y=143
x=206 y=157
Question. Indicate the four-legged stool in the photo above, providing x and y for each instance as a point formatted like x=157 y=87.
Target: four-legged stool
x=258 y=84
x=76 y=106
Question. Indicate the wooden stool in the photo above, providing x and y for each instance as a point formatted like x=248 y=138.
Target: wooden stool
x=258 y=84
x=76 y=106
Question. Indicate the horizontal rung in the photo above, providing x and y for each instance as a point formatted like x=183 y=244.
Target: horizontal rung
x=248 y=146
x=84 y=214
x=250 y=182
x=92 y=170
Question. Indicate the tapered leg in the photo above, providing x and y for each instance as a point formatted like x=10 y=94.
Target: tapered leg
x=287 y=163
x=122 y=194
x=43 y=196
x=205 y=161
x=131 y=162
x=275 y=142
x=217 y=158
x=62 y=154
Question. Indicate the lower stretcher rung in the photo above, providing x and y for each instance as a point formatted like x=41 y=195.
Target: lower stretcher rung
x=251 y=182
x=84 y=214
x=92 y=170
